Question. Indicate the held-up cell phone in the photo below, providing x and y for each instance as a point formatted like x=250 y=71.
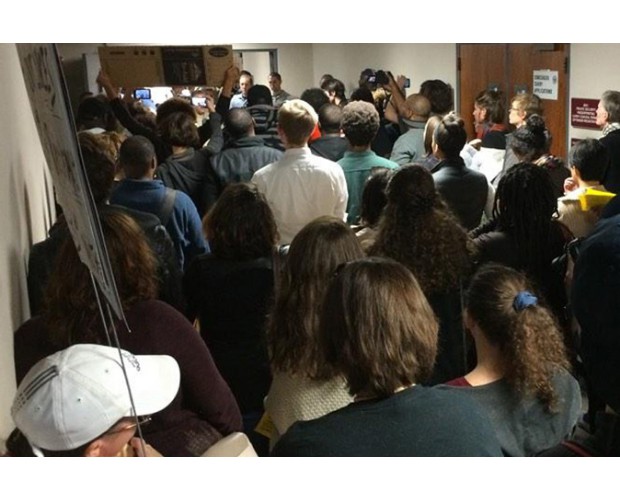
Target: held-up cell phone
x=407 y=83
x=142 y=94
x=199 y=101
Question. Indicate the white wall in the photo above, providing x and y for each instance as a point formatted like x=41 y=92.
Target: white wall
x=593 y=70
x=24 y=214
x=417 y=61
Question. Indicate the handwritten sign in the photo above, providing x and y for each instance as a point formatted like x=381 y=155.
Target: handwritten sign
x=545 y=84
x=53 y=117
x=583 y=113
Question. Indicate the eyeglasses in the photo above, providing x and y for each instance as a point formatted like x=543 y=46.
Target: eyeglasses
x=142 y=421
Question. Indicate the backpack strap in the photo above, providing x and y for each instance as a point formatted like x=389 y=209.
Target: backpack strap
x=165 y=211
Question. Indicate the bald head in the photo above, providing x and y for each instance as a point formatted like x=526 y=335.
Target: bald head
x=239 y=123
x=419 y=107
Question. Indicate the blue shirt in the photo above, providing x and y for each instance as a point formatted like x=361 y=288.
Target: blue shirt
x=238 y=101
x=184 y=225
x=357 y=166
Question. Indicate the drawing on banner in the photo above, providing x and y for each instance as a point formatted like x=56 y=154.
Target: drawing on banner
x=545 y=84
x=53 y=117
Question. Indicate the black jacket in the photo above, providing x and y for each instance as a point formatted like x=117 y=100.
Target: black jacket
x=187 y=172
x=611 y=179
x=237 y=162
x=463 y=189
x=330 y=146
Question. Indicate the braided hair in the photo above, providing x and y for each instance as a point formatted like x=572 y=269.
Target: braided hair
x=524 y=205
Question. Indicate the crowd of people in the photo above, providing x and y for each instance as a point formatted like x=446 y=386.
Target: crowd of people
x=340 y=274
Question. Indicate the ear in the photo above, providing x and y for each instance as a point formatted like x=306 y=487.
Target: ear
x=95 y=449
x=435 y=148
x=468 y=321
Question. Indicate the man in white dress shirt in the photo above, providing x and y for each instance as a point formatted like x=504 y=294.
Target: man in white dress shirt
x=301 y=186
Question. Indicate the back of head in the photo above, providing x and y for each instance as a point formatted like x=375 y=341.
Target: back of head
x=315 y=253
x=70 y=287
x=591 y=158
x=136 y=157
x=74 y=396
x=360 y=123
x=530 y=104
x=100 y=165
x=611 y=103
x=525 y=202
x=531 y=141
x=493 y=102
x=93 y=112
x=429 y=133
x=412 y=189
x=175 y=105
x=315 y=97
x=418 y=231
x=362 y=94
x=330 y=119
x=179 y=129
x=239 y=123
x=297 y=119
x=240 y=226
x=450 y=135
x=377 y=328
x=510 y=315
x=326 y=77
x=440 y=94
x=259 y=95
x=419 y=106
x=374 y=196
x=595 y=297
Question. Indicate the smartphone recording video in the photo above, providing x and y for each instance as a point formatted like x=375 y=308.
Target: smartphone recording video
x=199 y=101
x=142 y=94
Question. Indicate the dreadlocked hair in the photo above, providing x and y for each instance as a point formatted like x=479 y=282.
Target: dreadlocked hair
x=418 y=231
x=524 y=205
x=529 y=338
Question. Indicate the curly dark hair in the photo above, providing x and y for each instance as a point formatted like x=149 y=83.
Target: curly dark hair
x=524 y=206
x=100 y=165
x=532 y=140
x=240 y=226
x=530 y=340
x=417 y=230
x=315 y=253
x=360 y=123
x=71 y=306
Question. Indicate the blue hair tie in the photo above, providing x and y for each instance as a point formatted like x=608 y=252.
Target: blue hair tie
x=523 y=300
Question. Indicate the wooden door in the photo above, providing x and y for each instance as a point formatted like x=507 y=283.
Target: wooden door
x=510 y=67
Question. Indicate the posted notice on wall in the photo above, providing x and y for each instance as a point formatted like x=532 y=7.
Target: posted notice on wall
x=545 y=84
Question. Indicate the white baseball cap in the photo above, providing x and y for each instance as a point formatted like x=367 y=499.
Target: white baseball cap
x=74 y=396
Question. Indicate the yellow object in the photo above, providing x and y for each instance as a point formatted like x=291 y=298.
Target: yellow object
x=593 y=198
x=265 y=426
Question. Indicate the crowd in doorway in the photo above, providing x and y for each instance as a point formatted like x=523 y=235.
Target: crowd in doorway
x=334 y=274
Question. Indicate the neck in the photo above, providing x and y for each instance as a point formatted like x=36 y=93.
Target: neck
x=586 y=184
x=359 y=149
x=490 y=366
x=177 y=150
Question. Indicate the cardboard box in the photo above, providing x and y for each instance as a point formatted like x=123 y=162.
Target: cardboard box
x=164 y=66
